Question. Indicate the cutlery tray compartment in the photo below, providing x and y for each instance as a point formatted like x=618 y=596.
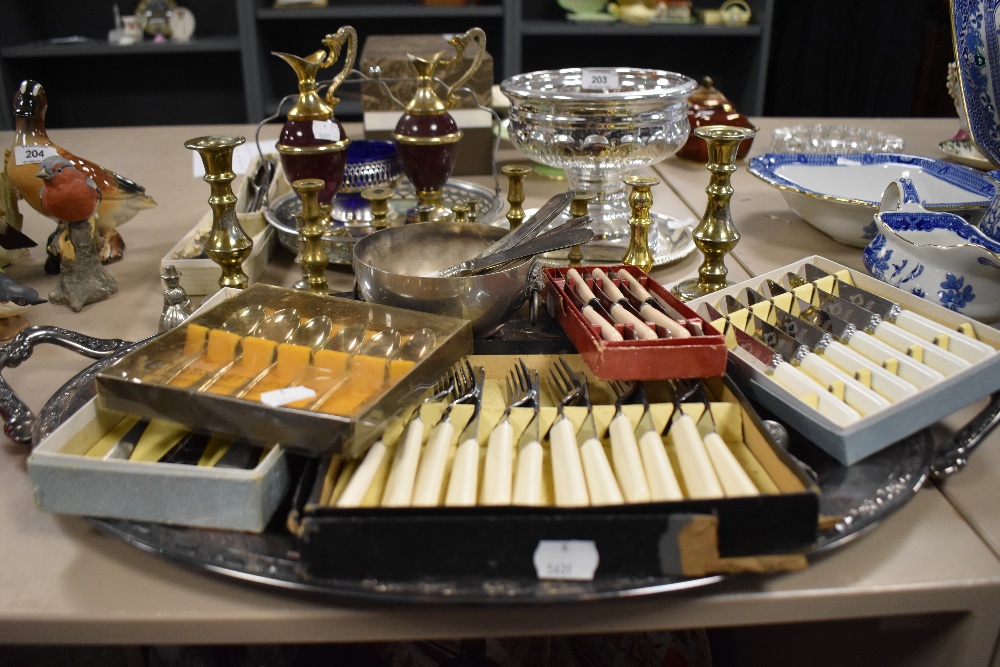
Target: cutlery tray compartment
x=766 y=530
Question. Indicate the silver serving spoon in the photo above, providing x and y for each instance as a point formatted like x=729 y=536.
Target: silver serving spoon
x=348 y=339
x=314 y=333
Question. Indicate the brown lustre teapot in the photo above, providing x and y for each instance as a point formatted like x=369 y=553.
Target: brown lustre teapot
x=708 y=106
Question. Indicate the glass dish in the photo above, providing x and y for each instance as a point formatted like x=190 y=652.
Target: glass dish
x=833 y=139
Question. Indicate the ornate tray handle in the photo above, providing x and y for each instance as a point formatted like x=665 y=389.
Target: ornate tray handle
x=18 y=418
x=953 y=454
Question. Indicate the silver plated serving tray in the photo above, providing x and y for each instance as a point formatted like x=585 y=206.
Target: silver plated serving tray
x=281 y=215
x=863 y=495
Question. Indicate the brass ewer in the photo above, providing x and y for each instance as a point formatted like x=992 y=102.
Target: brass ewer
x=227 y=245
x=312 y=256
x=715 y=235
x=427 y=136
x=640 y=200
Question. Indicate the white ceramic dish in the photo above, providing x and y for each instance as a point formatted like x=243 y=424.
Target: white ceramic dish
x=839 y=194
x=833 y=139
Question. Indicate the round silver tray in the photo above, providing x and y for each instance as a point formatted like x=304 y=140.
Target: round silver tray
x=670 y=240
x=281 y=215
x=862 y=494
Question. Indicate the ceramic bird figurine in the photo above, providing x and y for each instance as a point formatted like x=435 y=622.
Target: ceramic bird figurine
x=121 y=198
x=15 y=299
x=73 y=198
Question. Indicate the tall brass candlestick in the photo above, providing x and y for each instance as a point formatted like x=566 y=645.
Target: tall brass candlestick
x=640 y=200
x=312 y=256
x=515 y=174
x=227 y=245
x=715 y=235
x=578 y=208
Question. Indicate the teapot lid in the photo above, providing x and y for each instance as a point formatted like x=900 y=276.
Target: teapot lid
x=707 y=96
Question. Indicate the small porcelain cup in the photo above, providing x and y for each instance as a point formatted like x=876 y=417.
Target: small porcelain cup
x=935 y=255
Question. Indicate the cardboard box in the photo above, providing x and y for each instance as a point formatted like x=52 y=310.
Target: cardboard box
x=876 y=431
x=682 y=538
x=200 y=275
x=143 y=382
x=633 y=359
x=68 y=481
x=389 y=53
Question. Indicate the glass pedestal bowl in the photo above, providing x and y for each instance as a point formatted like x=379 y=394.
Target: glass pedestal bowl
x=599 y=125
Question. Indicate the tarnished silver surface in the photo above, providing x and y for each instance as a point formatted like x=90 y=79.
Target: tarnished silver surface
x=339 y=243
x=396 y=267
x=863 y=495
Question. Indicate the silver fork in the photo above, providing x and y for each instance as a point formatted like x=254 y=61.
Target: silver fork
x=663 y=484
x=732 y=475
x=567 y=467
x=625 y=448
x=399 y=485
x=464 y=479
x=601 y=482
x=434 y=459
x=528 y=476
x=498 y=469
x=696 y=468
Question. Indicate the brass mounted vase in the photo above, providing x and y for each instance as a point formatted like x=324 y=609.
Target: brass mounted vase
x=427 y=135
x=313 y=143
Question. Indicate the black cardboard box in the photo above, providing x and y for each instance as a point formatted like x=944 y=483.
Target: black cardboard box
x=685 y=538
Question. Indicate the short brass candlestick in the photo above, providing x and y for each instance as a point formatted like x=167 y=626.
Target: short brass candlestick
x=715 y=235
x=640 y=200
x=378 y=198
x=461 y=212
x=577 y=209
x=227 y=245
x=312 y=255
x=473 y=205
x=515 y=174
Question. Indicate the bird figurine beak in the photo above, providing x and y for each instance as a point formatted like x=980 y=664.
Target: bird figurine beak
x=44 y=175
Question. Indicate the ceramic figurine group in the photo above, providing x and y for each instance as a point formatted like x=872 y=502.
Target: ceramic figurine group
x=87 y=202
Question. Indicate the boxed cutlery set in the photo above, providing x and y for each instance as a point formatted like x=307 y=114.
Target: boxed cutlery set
x=849 y=362
x=683 y=481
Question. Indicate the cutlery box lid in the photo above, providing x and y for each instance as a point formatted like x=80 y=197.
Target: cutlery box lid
x=316 y=402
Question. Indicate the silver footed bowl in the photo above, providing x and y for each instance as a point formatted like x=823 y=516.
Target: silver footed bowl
x=599 y=132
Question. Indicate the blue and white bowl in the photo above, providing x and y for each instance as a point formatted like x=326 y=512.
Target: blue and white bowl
x=937 y=256
x=839 y=194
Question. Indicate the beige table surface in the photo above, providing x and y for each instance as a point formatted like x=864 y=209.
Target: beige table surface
x=925 y=583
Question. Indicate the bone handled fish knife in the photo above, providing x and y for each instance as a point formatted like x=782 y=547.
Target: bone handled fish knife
x=952 y=340
x=652 y=307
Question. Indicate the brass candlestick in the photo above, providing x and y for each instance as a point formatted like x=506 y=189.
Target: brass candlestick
x=515 y=174
x=461 y=212
x=227 y=245
x=577 y=209
x=715 y=235
x=473 y=205
x=378 y=198
x=640 y=200
x=312 y=255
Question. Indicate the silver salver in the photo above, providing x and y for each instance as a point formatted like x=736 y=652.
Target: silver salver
x=339 y=243
x=863 y=495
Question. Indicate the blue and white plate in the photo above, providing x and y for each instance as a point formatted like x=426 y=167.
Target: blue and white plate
x=839 y=194
x=977 y=53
